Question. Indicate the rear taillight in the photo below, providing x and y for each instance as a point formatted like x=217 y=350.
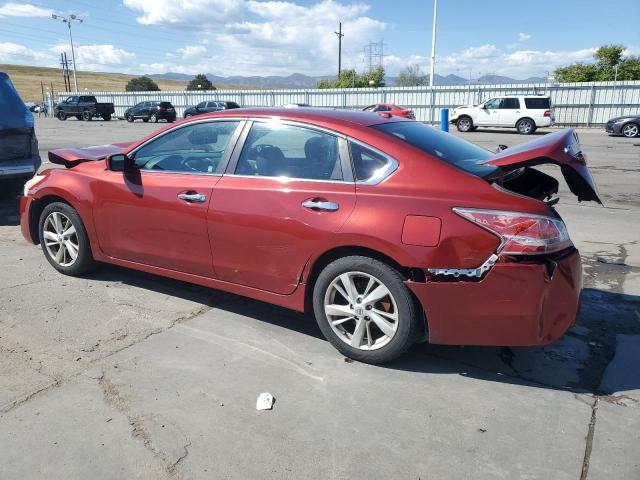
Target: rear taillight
x=521 y=233
x=410 y=114
x=160 y=109
x=547 y=113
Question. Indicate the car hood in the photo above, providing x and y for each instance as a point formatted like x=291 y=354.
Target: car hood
x=561 y=148
x=626 y=117
x=70 y=157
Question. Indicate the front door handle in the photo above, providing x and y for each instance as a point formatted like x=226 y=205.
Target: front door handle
x=192 y=197
x=321 y=205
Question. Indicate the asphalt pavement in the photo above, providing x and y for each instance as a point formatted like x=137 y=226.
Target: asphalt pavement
x=123 y=374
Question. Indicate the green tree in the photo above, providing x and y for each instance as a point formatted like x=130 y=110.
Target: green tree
x=142 y=84
x=200 y=82
x=350 y=79
x=411 y=76
x=608 y=59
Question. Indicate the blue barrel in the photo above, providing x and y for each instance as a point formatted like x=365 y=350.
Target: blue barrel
x=444 y=119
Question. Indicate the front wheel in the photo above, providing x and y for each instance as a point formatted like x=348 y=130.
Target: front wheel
x=64 y=239
x=464 y=124
x=526 y=126
x=153 y=118
x=61 y=115
x=631 y=130
x=129 y=118
x=364 y=309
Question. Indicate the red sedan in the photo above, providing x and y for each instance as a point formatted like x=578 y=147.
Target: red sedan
x=389 y=230
x=390 y=109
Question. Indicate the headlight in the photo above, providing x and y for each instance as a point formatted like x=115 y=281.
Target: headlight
x=32 y=182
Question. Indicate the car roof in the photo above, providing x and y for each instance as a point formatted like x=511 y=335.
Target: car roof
x=310 y=114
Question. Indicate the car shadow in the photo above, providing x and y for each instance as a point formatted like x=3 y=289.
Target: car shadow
x=575 y=363
x=9 y=205
x=508 y=130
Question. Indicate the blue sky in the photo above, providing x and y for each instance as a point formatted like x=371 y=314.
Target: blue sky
x=254 y=37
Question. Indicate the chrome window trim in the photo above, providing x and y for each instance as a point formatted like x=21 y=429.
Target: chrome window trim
x=288 y=179
x=381 y=175
x=224 y=160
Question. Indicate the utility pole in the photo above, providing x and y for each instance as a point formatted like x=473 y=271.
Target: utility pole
x=68 y=20
x=340 y=35
x=433 y=55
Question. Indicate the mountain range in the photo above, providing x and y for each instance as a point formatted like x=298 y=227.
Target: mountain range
x=298 y=80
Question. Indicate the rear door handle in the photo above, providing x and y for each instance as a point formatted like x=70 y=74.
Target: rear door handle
x=321 y=205
x=192 y=197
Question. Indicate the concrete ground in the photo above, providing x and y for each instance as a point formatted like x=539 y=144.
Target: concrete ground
x=125 y=375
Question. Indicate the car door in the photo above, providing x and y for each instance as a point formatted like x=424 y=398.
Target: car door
x=285 y=194
x=489 y=113
x=156 y=213
x=138 y=109
x=509 y=111
x=71 y=107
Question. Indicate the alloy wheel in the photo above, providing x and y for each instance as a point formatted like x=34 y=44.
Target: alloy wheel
x=525 y=126
x=630 y=130
x=464 y=124
x=61 y=239
x=361 y=310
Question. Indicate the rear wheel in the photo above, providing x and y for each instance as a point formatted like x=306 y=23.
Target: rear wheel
x=525 y=126
x=364 y=309
x=64 y=239
x=631 y=130
x=106 y=118
x=87 y=116
x=61 y=115
x=465 y=124
x=153 y=118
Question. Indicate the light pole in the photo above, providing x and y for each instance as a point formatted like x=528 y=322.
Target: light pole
x=68 y=19
x=433 y=55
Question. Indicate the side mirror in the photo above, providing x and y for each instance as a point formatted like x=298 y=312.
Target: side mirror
x=501 y=147
x=119 y=162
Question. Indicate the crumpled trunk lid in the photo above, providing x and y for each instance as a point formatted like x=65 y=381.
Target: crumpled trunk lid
x=561 y=148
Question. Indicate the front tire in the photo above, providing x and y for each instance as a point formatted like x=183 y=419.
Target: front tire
x=525 y=126
x=129 y=118
x=61 y=115
x=64 y=240
x=465 y=124
x=153 y=118
x=631 y=130
x=364 y=309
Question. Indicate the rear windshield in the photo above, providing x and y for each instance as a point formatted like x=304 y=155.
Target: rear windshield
x=446 y=147
x=537 y=103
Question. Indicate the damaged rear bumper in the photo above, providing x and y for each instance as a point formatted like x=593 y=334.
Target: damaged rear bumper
x=515 y=304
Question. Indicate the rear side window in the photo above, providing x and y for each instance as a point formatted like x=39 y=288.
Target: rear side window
x=537 y=103
x=510 y=104
x=232 y=105
x=370 y=166
x=444 y=146
x=276 y=150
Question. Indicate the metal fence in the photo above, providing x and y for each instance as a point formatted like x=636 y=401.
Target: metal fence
x=575 y=104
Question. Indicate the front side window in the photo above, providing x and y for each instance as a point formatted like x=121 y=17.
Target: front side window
x=71 y=100
x=202 y=105
x=191 y=149
x=493 y=103
x=276 y=150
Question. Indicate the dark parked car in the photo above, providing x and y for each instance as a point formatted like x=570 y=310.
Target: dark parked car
x=388 y=229
x=19 y=156
x=209 y=107
x=629 y=126
x=151 y=111
x=83 y=107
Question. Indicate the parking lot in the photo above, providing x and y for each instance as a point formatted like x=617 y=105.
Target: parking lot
x=125 y=375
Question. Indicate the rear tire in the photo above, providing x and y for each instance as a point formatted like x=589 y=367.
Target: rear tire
x=525 y=126
x=465 y=124
x=631 y=130
x=106 y=118
x=377 y=320
x=63 y=235
x=87 y=116
x=61 y=115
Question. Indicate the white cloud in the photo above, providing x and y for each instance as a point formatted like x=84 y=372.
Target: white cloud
x=12 y=52
x=523 y=37
x=99 y=57
x=192 y=51
x=24 y=10
x=185 y=13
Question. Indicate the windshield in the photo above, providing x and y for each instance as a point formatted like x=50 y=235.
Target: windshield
x=459 y=153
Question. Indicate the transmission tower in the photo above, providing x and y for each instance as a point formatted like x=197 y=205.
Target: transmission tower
x=374 y=52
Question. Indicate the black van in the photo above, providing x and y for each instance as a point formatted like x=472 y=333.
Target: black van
x=19 y=156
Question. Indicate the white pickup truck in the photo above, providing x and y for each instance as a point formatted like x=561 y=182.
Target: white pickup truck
x=523 y=112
